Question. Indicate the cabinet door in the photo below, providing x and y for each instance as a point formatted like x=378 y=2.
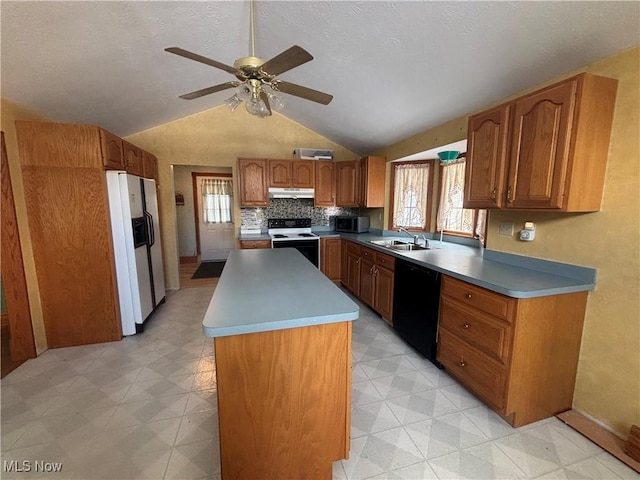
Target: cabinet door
x=486 y=158
x=371 y=186
x=330 y=255
x=252 y=173
x=540 y=147
x=353 y=273
x=325 y=185
x=347 y=184
x=132 y=158
x=111 y=147
x=149 y=166
x=280 y=173
x=302 y=173
x=384 y=292
x=367 y=280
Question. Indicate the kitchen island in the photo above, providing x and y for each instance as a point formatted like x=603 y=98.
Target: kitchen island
x=282 y=336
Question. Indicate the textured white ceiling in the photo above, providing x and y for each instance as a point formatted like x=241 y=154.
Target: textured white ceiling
x=394 y=68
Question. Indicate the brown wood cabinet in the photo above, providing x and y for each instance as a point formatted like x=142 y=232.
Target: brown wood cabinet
x=252 y=182
x=518 y=355
x=297 y=385
x=372 y=174
x=352 y=267
x=150 y=166
x=303 y=173
x=360 y=183
x=132 y=158
x=370 y=276
x=252 y=244
x=546 y=150
x=325 y=184
x=68 y=212
x=280 y=173
x=112 y=154
x=347 y=184
x=291 y=173
x=330 y=257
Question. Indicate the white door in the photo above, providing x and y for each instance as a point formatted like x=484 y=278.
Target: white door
x=216 y=239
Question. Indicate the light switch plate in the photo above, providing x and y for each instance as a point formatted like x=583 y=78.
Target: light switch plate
x=506 y=228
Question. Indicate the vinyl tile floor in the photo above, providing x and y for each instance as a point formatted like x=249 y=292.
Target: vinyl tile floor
x=145 y=408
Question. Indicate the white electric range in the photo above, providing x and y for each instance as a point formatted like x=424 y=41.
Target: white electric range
x=295 y=233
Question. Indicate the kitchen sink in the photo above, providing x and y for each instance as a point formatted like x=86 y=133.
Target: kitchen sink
x=398 y=245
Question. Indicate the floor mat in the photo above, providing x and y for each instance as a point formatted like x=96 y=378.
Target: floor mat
x=209 y=270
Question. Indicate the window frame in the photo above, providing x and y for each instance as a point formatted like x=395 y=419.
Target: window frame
x=391 y=222
x=456 y=233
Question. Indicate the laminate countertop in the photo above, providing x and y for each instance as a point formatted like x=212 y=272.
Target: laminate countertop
x=512 y=275
x=272 y=289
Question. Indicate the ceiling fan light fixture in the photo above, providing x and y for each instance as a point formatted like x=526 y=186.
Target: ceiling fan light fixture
x=257 y=107
x=233 y=102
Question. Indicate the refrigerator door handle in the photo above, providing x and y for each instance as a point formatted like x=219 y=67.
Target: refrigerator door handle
x=151 y=234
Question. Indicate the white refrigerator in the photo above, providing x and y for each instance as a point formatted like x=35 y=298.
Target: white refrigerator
x=138 y=252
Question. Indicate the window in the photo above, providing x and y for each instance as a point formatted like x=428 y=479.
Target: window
x=452 y=218
x=216 y=196
x=411 y=197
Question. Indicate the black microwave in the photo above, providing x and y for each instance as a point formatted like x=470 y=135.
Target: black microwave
x=352 y=224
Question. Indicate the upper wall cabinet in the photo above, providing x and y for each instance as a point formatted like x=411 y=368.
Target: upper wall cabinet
x=291 y=173
x=132 y=158
x=325 y=184
x=149 y=166
x=360 y=183
x=252 y=184
x=111 y=146
x=544 y=151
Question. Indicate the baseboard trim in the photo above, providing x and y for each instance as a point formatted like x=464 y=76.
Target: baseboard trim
x=599 y=435
x=189 y=259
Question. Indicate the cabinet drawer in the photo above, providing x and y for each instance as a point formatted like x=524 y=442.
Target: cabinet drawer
x=475 y=370
x=491 y=336
x=367 y=253
x=255 y=244
x=386 y=261
x=353 y=248
x=490 y=302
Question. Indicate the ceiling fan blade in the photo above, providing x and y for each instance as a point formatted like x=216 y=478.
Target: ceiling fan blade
x=291 y=58
x=265 y=99
x=209 y=90
x=201 y=59
x=304 y=92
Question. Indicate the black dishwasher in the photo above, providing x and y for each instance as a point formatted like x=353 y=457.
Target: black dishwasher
x=416 y=303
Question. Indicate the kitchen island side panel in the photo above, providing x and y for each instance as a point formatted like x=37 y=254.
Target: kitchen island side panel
x=284 y=401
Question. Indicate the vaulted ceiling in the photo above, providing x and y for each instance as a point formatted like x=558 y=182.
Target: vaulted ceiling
x=394 y=68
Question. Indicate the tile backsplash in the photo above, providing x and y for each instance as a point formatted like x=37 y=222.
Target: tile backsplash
x=294 y=208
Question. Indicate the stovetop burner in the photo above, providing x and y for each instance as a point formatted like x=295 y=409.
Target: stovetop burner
x=279 y=235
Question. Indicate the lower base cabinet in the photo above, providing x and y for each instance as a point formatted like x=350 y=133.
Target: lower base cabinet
x=519 y=356
x=370 y=276
x=330 y=258
x=284 y=401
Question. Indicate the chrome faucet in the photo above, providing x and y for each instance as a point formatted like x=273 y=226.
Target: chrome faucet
x=415 y=237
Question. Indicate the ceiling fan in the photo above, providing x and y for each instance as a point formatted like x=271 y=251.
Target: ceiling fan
x=257 y=85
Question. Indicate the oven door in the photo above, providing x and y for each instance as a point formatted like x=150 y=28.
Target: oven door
x=308 y=248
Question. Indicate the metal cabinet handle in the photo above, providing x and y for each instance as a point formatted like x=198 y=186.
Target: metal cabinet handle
x=466 y=325
x=494 y=195
x=463 y=364
x=510 y=194
x=468 y=295
x=357 y=261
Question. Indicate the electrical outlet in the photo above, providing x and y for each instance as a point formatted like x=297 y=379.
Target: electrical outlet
x=506 y=228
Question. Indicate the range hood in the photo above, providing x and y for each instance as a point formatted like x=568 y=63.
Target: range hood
x=290 y=192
